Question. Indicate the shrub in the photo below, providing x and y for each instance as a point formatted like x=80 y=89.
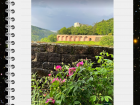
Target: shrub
x=110 y=34
x=107 y=40
x=82 y=84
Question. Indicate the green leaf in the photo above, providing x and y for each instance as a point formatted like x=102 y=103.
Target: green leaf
x=83 y=81
x=71 y=87
x=90 y=79
x=58 y=101
x=96 y=57
x=110 y=92
x=93 y=98
x=75 y=88
x=107 y=98
x=107 y=54
x=101 y=53
x=58 y=96
x=62 y=97
x=81 y=70
x=102 y=98
x=76 y=102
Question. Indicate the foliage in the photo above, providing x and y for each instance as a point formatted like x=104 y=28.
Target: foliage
x=39 y=33
x=35 y=37
x=63 y=30
x=100 y=28
x=107 y=40
x=105 y=27
x=110 y=34
x=88 y=43
x=50 y=38
x=82 y=84
x=37 y=93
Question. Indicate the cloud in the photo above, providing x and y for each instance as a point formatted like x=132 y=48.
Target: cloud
x=53 y=15
x=53 y=30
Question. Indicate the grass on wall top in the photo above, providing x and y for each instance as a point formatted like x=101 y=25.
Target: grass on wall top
x=88 y=43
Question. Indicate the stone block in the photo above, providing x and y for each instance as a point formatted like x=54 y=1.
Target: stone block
x=32 y=57
x=51 y=48
x=110 y=50
x=48 y=65
x=55 y=64
x=82 y=56
x=80 y=49
x=53 y=57
x=38 y=49
x=64 y=49
x=42 y=57
x=93 y=59
x=35 y=64
x=66 y=58
x=42 y=49
x=41 y=72
x=96 y=51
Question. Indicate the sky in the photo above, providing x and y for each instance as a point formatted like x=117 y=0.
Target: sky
x=56 y=14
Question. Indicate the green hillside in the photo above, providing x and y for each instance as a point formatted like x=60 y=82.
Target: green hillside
x=39 y=33
x=103 y=27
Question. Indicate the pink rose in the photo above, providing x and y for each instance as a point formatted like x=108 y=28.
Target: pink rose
x=80 y=64
x=49 y=74
x=71 y=70
x=58 y=67
x=53 y=101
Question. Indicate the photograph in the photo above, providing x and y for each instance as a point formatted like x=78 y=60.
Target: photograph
x=72 y=52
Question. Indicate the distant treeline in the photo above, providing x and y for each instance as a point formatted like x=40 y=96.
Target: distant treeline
x=104 y=27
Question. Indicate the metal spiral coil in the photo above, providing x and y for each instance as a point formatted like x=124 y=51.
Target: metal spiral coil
x=8 y=18
x=10 y=11
x=8 y=58
x=8 y=42
x=11 y=97
x=9 y=50
x=12 y=74
x=8 y=34
x=7 y=26
x=8 y=3
x=10 y=89
x=8 y=66
x=9 y=81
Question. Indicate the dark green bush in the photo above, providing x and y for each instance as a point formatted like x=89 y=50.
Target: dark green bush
x=107 y=40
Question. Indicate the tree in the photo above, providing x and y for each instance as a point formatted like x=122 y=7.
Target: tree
x=35 y=37
x=90 y=31
x=69 y=30
x=83 y=30
x=63 y=30
x=94 y=29
x=74 y=31
x=50 y=38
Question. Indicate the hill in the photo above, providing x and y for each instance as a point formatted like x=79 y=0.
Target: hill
x=39 y=33
x=103 y=27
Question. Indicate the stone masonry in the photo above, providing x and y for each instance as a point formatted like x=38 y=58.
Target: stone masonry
x=47 y=55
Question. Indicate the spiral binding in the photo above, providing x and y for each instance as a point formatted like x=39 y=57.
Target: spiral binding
x=10 y=3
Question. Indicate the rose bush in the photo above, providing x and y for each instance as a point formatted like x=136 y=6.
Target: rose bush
x=82 y=84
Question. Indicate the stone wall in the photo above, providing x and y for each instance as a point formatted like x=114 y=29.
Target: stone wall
x=79 y=37
x=46 y=55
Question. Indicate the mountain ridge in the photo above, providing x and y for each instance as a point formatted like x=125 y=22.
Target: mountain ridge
x=39 y=33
